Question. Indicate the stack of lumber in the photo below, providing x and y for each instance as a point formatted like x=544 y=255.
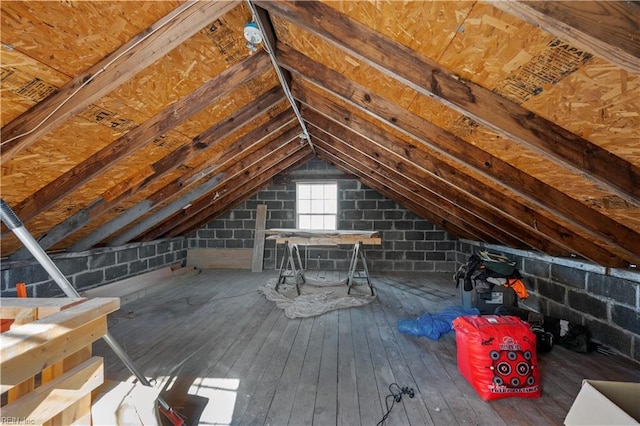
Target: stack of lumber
x=47 y=368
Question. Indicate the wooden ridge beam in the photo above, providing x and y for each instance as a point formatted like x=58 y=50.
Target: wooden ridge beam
x=481 y=104
x=539 y=231
x=250 y=142
x=115 y=69
x=445 y=143
x=242 y=194
x=141 y=135
x=608 y=29
x=160 y=168
x=258 y=167
x=488 y=218
x=390 y=190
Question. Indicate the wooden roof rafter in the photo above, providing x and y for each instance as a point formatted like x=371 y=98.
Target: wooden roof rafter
x=115 y=69
x=393 y=191
x=545 y=196
x=243 y=192
x=484 y=106
x=143 y=134
x=405 y=179
x=530 y=227
x=257 y=169
x=214 y=165
x=205 y=140
x=601 y=27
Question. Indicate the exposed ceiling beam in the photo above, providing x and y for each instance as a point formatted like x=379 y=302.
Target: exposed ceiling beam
x=400 y=157
x=389 y=189
x=158 y=219
x=545 y=196
x=243 y=193
x=124 y=190
x=216 y=163
x=254 y=169
x=141 y=135
x=404 y=181
x=175 y=206
x=115 y=69
x=608 y=29
x=529 y=219
x=481 y=104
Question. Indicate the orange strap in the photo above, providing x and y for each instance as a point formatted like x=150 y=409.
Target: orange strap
x=518 y=286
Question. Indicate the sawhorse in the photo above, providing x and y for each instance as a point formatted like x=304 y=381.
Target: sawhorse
x=288 y=266
x=354 y=272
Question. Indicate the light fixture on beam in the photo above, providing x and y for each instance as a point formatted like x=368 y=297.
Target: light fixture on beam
x=253 y=35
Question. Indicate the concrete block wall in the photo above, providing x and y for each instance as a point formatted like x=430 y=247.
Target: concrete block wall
x=606 y=301
x=92 y=268
x=409 y=243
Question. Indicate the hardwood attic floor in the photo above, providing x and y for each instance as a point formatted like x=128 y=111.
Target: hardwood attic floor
x=226 y=355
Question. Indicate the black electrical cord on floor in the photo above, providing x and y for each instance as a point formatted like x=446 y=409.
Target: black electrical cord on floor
x=396 y=396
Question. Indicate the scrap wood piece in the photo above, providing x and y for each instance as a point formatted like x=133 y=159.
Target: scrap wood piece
x=258 y=241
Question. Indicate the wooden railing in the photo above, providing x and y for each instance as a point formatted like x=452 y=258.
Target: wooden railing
x=47 y=368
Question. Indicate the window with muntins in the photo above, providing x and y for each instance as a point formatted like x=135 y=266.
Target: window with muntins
x=317 y=205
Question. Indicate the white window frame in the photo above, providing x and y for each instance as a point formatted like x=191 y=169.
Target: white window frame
x=315 y=204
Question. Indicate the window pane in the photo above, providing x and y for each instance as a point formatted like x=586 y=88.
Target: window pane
x=331 y=191
x=330 y=206
x=317 y=222
x=304 y=191
x=304 y=206
x=317 y=192
x=317 y=206
x=304 y=221
x=330 y=222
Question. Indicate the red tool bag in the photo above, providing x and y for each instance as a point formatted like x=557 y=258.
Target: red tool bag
x=497 y=355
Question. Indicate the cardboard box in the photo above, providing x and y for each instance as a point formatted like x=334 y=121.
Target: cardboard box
x=605 y=403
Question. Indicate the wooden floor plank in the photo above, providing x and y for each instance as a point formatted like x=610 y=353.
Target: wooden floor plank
x=285 y=389
x=349 y=407
x=307 y=388
x=221 y=349
x=367 y=388
x=250 y=378
x=326 y=406
x=417 y=412
x=445 y=408
x=264 y=391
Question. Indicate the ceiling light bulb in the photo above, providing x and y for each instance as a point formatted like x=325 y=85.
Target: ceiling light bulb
x=252 y=33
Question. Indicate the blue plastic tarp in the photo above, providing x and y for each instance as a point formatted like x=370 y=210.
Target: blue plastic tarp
x=434 y=325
